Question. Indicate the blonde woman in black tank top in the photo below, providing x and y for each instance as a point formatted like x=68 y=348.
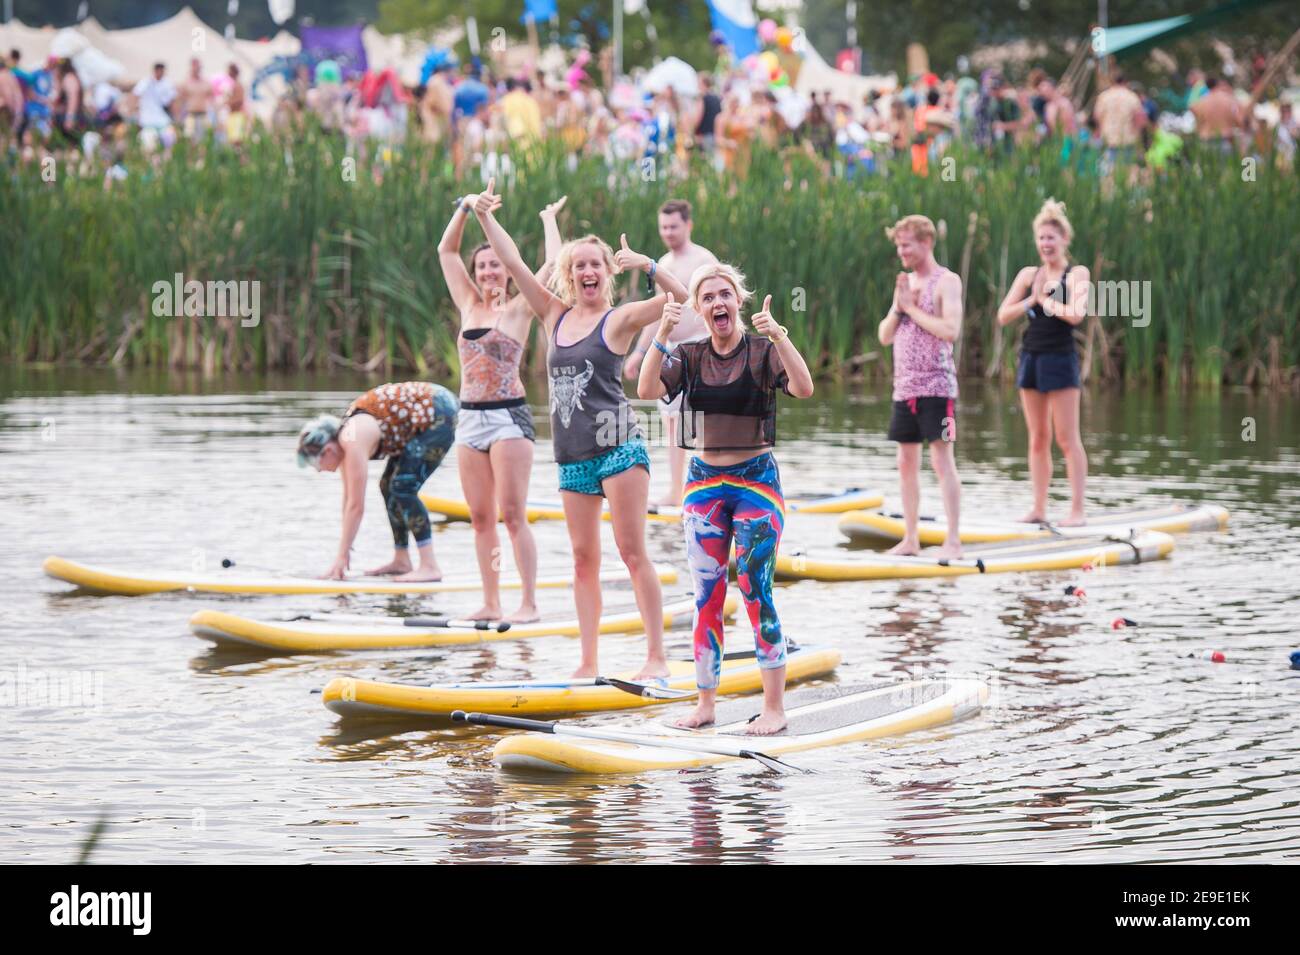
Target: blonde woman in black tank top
x=1054 y=298
x=602 y=334
x=494 y=446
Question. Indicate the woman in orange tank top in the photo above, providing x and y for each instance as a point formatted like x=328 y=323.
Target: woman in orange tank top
x=494 y=439
x=412 y=424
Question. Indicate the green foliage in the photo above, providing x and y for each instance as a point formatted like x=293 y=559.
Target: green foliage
x=349 y=272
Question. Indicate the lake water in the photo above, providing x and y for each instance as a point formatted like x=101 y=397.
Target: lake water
x=1098 y=745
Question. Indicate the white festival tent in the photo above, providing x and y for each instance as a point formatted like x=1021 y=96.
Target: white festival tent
x=816 y=75
x=177 y=39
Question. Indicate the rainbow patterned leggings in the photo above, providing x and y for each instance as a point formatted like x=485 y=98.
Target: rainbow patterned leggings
x=741 y=502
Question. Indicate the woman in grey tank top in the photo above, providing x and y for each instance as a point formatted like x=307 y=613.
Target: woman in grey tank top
x=599 y=448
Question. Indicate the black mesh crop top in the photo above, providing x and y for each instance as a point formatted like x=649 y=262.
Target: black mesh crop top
x=728 y=401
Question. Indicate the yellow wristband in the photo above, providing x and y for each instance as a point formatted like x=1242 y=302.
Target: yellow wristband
x=785 y=333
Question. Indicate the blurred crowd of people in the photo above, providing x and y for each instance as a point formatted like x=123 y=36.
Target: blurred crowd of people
x=484 y=119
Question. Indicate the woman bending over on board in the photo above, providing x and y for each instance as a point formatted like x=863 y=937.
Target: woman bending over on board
x=598 y=445
x=1053 y=296
x=729 y=383
x=494 y=438
x=412 y=424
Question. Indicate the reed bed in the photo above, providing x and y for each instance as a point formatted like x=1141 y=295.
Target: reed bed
x=349 y=276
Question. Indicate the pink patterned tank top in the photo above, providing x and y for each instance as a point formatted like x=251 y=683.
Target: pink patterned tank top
x=923 y=363
x=489 y=368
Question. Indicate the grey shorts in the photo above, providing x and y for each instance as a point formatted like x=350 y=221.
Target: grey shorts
x=480 y=428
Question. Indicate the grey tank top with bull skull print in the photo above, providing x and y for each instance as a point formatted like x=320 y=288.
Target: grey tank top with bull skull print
x=590 y=413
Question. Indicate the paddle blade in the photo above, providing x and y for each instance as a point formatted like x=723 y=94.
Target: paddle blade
x=774 y=764
x=647 y=690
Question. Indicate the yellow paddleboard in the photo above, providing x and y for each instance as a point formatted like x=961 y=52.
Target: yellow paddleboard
x=875 y=526
x=362 y=698
x=337 y=632
x=855 y=499
x=983 y=559
x=104 y=580
x=818 y=717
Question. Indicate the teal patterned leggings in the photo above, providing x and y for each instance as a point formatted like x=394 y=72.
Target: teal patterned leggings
x=407 y=472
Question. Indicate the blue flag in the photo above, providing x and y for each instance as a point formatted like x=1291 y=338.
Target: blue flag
x=539 y=10
x=735 y=20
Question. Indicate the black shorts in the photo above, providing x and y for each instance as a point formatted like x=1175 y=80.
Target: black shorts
x=1047 y=370
x=924 y=420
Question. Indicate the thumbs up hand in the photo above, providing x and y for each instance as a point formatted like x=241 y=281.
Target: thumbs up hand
x=763 y=322
x=487 y=200
x=627 y=260
x=672 y=314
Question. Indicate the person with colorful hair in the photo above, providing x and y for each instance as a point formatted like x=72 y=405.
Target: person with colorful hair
x=598 y=443
x=412 y=424
x=728 y=383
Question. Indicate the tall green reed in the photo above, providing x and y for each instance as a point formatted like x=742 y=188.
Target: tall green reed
x=345 y=250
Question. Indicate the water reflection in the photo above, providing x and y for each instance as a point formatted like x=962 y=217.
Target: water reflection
x=1098 y=745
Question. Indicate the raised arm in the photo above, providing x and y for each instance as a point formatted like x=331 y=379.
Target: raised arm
x=649 y=384
x=800 y=382
x=547 y=306
x=1019 y=297
x=552 y=240
x=459 y=283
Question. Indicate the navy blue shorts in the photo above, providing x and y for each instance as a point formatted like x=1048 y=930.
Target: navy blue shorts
x=1048 y=370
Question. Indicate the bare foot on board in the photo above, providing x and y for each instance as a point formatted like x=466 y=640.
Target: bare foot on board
x=421 y=575
x=905 y=548
x=391 y=568
x=653 y=669
x=703 y=716
x=950 y=550
x=527 y=613
x=769 y=724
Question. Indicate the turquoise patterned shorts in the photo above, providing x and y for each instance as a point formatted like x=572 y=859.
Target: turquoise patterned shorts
x=585 y=477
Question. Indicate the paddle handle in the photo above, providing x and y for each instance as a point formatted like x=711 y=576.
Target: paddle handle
x=499 y=626
x=505 y=722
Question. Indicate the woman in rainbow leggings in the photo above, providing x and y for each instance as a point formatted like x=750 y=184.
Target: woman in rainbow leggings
x=728 y=384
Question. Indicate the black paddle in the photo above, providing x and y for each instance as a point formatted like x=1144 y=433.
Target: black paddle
x=647 y=690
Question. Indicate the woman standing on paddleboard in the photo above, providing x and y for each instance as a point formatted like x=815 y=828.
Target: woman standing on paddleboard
x=494 y=438
x=598 y=444
x=1054 y=297
x=412 y=423
x=728 y=383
